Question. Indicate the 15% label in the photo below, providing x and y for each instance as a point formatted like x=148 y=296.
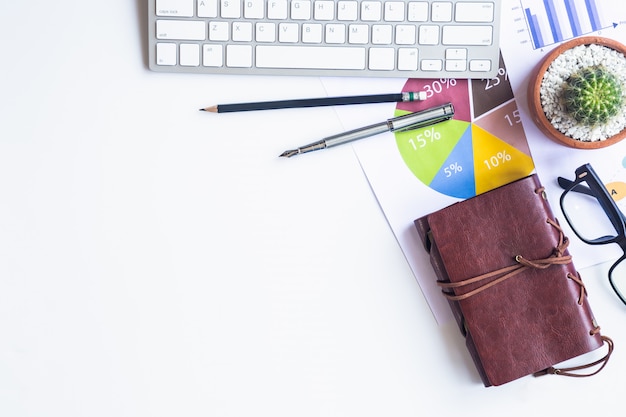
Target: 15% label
x=424 y=138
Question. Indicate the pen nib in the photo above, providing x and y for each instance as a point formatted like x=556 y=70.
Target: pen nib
x=289 y=154
x=303 y=149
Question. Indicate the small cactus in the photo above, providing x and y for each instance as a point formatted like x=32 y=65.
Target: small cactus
x=592 y=95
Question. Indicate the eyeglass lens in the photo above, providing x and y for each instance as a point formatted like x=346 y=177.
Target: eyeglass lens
x=586 y=215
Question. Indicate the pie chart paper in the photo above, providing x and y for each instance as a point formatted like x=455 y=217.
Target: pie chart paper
x=483 y=147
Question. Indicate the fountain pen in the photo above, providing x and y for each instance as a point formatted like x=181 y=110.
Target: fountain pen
x=406 y=122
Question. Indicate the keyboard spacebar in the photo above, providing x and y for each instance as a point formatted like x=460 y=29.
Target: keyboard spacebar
x=315 y=57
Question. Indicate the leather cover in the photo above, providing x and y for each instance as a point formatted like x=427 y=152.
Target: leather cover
x=531 y=321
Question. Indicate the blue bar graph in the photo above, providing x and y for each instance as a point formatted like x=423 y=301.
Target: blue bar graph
x=592 y=10
x=535 y=31
x=553 y=21
x=572 y=15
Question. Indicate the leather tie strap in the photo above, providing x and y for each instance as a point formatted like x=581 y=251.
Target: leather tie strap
x=556 y=258
x=572 y=370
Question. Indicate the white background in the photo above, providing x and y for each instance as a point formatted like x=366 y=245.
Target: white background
x=160 y=261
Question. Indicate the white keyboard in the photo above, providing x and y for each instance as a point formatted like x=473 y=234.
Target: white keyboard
x=409 y=39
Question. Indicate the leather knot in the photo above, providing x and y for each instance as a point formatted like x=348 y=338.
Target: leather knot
x=557 y=257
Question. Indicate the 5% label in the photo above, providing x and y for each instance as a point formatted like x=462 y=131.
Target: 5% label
x=453 y=169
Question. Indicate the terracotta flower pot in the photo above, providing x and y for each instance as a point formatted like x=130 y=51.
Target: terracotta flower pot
x=534 y=94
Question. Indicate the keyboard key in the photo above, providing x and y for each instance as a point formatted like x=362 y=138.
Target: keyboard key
x=394 y=11
x=456 y=53
x=442 y=12
x=382 y=59
x=335 y=33
x=253 y=9
x=180 y=8
x=288 y=32
x=428 y=35
x=454 y=65
x=300 y=10
x=371 y=11
x=324 y=10
x=480 y=65
x=230 y=9
x=474 y=12
x=467 y=35
x=266 y=32
x=189 y=54
x=239 y=56
x=358 y=34
x=418 y=11
x=207 y=8
x=431 y=65
x=312 y=33
x=180 y=30
x=218 y=31
x=316 y=57
x=405 y=34
x=277 y=9
x=347 y=10
x=407 y=59
x=382 y=34
x=213 y=56
x=242 y=31
x=166 y=53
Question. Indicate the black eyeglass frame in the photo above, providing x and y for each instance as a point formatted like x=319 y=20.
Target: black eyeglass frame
x=588 y=182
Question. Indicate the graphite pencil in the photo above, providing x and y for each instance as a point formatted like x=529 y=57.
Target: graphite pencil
x=317 y=102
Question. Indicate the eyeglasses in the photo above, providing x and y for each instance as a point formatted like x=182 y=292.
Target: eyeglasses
x=594 y=217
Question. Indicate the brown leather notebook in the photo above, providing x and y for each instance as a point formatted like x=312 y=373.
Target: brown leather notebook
x=501 y=259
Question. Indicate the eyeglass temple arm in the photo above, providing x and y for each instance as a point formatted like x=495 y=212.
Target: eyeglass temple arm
x=583 y=189
x=565 y=184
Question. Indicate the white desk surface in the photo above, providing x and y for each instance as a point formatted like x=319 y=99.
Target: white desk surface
x=160 y=261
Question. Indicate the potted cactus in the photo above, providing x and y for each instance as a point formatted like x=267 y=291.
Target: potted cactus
x=577 y=95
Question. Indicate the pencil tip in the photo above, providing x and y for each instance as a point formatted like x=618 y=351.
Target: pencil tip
x=212 y=109
x=202 y=109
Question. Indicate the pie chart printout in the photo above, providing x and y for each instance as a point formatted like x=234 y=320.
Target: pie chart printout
x=483 y=147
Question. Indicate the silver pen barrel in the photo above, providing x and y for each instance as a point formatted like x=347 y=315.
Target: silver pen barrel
x=355 y=134
x=405 y=122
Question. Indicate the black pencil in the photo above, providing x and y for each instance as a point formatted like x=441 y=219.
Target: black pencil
x=317 y=102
